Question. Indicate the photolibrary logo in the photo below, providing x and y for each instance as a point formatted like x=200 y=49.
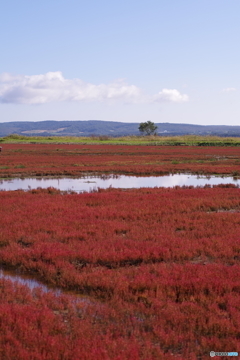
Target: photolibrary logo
x=233 y=353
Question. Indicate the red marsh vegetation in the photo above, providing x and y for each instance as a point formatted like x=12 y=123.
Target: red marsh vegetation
x=73 y=160
x=163 y=264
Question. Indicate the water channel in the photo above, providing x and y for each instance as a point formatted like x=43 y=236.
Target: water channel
x=89 y=183
x=25 y=280
x=31 y=283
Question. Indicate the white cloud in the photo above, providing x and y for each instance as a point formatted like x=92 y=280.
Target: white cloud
x=53 y=87
x=171 y=95
x=229 y=89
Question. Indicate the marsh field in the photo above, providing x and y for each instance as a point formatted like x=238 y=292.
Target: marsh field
x=132 y=273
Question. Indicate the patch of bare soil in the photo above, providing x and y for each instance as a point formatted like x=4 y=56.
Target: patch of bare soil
x=204 y=260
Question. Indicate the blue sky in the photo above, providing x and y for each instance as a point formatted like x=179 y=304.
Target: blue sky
x=161 y=60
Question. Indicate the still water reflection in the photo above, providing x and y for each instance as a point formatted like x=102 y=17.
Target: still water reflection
x=24 y=280
x=89 y=183
x=32 y=284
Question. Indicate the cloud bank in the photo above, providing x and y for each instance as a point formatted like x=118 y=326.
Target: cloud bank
x=53 y=87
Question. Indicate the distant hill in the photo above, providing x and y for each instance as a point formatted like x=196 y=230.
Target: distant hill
x=110 y=128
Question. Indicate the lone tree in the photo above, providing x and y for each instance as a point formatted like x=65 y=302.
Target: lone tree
x=148 y=128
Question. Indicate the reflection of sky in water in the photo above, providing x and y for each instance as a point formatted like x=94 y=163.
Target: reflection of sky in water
x=33 y=284
x=23 y=280
x=89 y=183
